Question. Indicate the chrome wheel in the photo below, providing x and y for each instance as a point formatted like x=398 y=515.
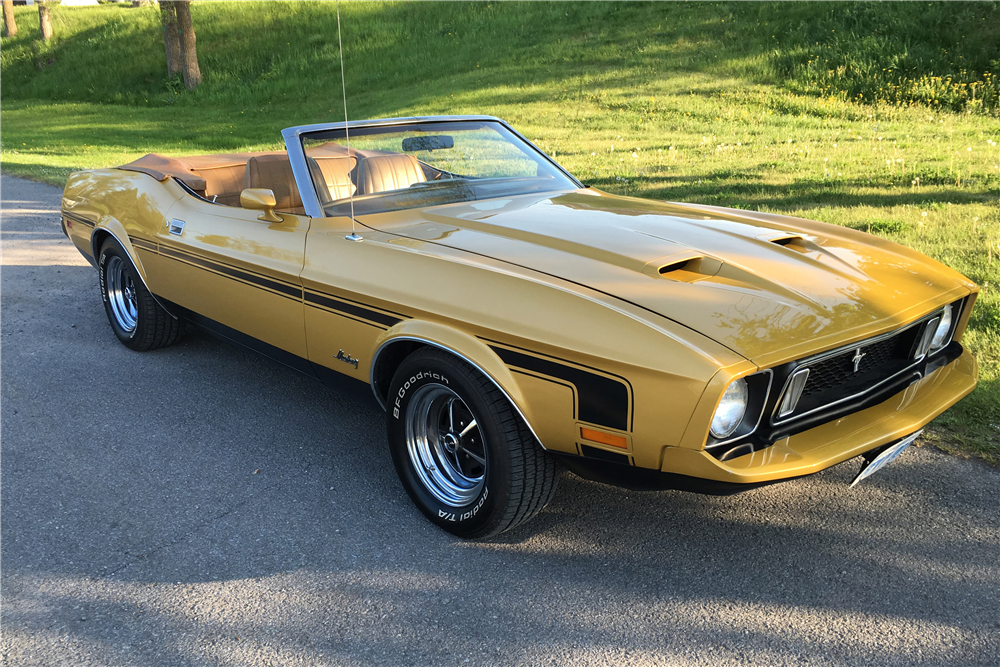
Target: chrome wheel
x=445 y=445
x=121 y=294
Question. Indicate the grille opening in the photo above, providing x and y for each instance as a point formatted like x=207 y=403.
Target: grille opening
x=855 y=369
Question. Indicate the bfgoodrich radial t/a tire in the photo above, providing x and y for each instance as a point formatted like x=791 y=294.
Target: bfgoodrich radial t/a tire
x=464 y=456
x=137 y=320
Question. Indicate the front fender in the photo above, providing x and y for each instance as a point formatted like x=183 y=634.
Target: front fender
x=462 y=345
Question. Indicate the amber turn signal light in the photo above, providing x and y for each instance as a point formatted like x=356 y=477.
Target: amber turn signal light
x=603 y=438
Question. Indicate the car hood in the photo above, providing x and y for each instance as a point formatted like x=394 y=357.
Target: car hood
x=767 y=287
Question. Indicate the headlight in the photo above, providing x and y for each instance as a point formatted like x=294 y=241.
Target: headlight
x=730 y=411
x=943 y=329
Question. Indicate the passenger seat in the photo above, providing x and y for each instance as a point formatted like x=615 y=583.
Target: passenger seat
x=332 y=177
x=382 y=173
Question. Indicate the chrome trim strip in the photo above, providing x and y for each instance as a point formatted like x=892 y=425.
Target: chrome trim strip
x=479 y=368
x=141 y=278
x=924 y=346
x=300 y=171
x=375 y=122
x=796 y=390
x=760 y=415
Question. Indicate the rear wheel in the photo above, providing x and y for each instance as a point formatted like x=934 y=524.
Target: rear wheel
x=137 y=320
x=463 y=454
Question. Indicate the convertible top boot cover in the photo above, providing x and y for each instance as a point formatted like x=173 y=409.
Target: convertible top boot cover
x=202 y=173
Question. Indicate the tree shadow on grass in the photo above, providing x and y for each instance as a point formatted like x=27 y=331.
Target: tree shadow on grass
x=741 y=188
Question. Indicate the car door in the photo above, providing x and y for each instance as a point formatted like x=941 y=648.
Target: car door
x=236 y=275
x=344 y=319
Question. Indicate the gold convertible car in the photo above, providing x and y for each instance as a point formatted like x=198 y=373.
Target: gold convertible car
x=513 y=321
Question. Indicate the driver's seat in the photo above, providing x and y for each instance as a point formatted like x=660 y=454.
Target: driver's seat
x=382 y=173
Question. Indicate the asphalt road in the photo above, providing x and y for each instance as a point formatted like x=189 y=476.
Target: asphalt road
x=201 y=506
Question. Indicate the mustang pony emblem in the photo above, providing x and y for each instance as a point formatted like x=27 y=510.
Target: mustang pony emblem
x=347 y=359
x=858 y=356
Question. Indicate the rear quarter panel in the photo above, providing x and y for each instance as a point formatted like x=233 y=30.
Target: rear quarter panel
x=113 y=201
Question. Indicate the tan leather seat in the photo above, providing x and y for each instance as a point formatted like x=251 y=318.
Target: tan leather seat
x=332 y=177
x=274 y=172
x=382 y=173
x=223 y=184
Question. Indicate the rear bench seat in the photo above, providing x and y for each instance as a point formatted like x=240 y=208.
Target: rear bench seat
x=223 y=183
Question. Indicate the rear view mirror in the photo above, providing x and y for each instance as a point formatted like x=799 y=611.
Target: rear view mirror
x=432 y=142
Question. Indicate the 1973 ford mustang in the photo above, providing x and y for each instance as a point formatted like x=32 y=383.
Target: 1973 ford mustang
x=512 y=321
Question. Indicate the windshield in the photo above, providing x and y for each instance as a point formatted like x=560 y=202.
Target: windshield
x=425 y=164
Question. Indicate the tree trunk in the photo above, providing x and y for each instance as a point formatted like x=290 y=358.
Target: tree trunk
x=9 y=25
x=189 y=54
x=45 y=20
x=171 y=38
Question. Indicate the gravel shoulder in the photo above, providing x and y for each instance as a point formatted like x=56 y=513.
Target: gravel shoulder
x=199 y=505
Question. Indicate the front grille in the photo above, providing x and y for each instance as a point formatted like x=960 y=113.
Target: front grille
x=833 y=388
x=834 y=377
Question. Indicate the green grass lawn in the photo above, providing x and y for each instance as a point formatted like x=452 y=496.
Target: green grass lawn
x=713 y=103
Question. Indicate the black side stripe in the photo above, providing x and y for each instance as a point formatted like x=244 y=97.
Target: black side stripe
x=76 y=217
x=554 y=381
x=338 y=297
x=142 y=243
x=603 y=401
x=351 y=309
x=604 y=455
x=344 y=306
x=293 y=291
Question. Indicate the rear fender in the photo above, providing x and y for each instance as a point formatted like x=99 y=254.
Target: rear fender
x=108 y=227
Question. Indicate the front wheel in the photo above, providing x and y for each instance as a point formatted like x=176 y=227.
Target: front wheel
x=137 y=320
x=463 y=455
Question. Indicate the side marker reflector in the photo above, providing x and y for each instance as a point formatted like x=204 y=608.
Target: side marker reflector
x=603 y=438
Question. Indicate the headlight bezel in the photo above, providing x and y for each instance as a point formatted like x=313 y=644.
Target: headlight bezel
x=759 y=391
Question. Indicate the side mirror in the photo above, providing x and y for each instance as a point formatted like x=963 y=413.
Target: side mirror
x=260 y=199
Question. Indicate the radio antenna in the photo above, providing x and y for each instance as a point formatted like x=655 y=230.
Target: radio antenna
x=353 y=236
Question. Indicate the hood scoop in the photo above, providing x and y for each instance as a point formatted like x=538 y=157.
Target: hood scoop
x=788 y=240
x=686 y=267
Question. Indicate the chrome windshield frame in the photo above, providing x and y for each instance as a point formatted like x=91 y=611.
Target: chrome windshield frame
x=300 y=169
